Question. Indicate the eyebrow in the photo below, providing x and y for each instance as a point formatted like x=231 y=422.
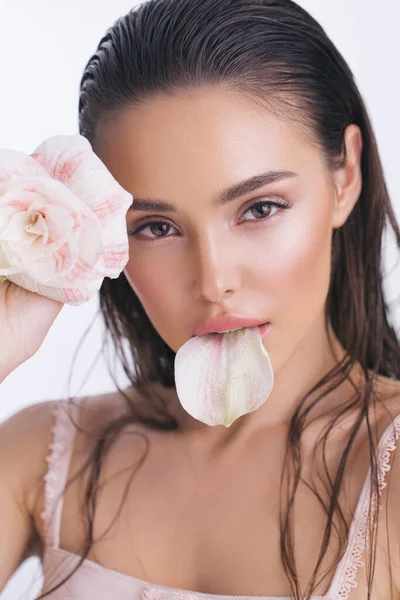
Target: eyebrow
x=235 y=191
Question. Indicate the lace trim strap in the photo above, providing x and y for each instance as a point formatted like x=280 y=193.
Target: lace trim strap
x=58 y=459
x=344 y=579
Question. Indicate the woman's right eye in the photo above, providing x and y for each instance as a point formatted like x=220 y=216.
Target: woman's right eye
x=150 y=224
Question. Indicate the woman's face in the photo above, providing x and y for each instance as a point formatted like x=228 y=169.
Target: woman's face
x=207 y=259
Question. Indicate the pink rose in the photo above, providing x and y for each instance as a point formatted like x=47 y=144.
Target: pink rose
x=62 y=226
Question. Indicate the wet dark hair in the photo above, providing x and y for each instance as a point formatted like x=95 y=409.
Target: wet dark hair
x=279 y=56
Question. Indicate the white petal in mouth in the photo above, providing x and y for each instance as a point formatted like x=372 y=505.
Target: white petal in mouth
x=220 y=377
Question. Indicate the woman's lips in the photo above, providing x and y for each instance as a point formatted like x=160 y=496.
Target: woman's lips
x=223 y=323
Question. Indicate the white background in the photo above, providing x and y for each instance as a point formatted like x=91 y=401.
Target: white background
x=44 y=46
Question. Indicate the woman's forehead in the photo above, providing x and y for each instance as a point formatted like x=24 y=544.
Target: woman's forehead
x=210 y=133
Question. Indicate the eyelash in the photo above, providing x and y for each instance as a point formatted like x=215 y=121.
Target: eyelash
x=284 y=204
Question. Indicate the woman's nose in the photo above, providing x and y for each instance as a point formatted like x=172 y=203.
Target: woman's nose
x=216 y=269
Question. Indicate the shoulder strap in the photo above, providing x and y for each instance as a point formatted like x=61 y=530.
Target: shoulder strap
x=58 y=460
x=344 y=579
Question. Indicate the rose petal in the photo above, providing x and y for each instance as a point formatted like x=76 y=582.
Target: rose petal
x=78 y=211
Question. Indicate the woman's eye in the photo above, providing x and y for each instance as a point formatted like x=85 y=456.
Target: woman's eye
x=257 y=207
x=153 y=226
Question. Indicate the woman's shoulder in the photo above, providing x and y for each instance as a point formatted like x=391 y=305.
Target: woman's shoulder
x=387 y=409
x=26 y=438
x=388 y=468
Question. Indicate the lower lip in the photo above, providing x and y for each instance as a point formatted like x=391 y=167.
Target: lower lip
x=264 y=329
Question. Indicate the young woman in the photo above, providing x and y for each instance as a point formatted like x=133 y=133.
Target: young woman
x=258 y=191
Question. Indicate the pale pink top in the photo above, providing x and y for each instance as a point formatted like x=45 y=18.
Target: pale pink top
x=94 y=582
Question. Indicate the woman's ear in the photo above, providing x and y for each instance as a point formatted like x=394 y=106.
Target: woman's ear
x=348 y=179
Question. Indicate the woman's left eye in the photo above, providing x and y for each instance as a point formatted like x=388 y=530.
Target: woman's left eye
x=260 y=206
x=257 y=206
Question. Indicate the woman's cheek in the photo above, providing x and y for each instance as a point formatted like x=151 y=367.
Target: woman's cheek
x=300 y=279
x=148 y=282
x=158 y=290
